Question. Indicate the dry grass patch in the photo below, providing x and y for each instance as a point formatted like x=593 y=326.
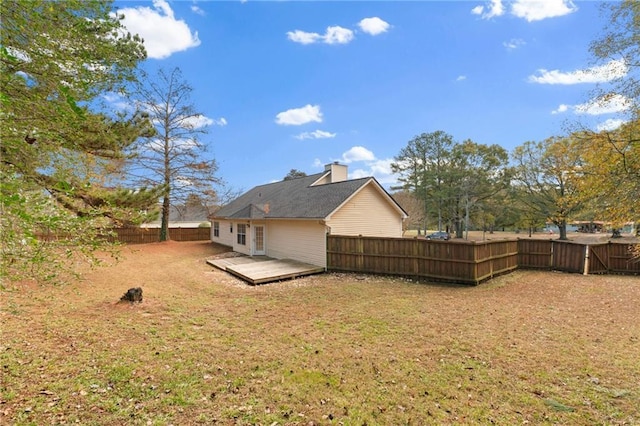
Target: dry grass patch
x=204 y=348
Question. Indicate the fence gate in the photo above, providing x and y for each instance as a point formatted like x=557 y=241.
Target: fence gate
x=598 y=259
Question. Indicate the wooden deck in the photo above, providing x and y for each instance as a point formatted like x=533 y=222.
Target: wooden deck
x=262 y=269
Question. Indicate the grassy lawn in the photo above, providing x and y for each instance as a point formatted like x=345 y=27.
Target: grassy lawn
x=204 y=348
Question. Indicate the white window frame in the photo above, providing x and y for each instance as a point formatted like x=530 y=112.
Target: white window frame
x=241 y=234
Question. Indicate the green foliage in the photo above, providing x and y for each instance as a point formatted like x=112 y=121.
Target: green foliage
x=422 y=166
x=294 y=174
x=547 y=180
x=453 y=180
x=57 y=149
x=611 y=172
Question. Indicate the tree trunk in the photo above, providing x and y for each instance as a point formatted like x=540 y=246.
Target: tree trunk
x=466 y=220
x=164 y=221
x=562 y=228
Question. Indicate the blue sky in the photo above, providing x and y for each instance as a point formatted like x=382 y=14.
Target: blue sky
x=296 y=85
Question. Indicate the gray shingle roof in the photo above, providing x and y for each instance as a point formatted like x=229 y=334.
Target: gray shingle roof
x=289 y=199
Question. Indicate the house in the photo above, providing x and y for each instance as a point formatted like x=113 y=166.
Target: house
x=291 y=219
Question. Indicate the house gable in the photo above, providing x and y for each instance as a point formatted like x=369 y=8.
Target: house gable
x=370 y=211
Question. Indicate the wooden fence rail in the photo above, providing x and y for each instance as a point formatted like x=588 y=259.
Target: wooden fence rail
x=152 y=235
x=472 y=262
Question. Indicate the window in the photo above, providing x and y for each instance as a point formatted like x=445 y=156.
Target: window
x=216 y=229
x=242 y=234
x=231 y=228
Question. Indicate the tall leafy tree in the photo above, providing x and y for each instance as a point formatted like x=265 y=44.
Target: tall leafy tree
x=423 y=166
x=56 y=58
x=547 y=179
x=479 y=172
x=613 y=155
x=612 y=172
x=451 y=179
x=173 y=156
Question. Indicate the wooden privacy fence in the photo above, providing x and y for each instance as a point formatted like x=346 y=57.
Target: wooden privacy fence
x=552 y=254
x=467 y=262
x=152 y=235
x=612 y=258
x=598 y=258
x=471 y=262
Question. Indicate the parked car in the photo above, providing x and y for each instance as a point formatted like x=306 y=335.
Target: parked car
x=440 y=235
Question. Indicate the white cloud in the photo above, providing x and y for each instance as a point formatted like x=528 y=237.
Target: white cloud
x=610 y=71
x=338 y=35
x=196 y=122
x=333 y=35
x=530 y=10
x=163 y=34
x=316 y=134
x=363 y=163
x=299 y=116
x=489 y=10
x=117 y=101
x=200 y=121
x=514 y=43
x=610 y=124
x=303 y=37
x=537 y=10
x=562 y=108
x=461 y=78
x=358 y=153
x=380 y=169
x=373 y=26
x=606 y=105
x=195 y=9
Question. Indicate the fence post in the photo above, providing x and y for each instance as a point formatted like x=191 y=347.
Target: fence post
x=416 y=263
x=586 y=260
x=360 y=253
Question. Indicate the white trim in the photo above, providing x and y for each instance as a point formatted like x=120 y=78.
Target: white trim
x=254 y=251
x=325 y=174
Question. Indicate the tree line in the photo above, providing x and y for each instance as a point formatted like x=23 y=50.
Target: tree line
x=584 y=176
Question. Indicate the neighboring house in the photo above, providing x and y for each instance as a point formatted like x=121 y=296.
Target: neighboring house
x=291 y=219
x=183 y=216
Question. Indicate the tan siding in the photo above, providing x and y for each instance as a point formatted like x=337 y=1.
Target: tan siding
x=230 y=238
x=368 y=213
x=225 y=237
x=302 y=240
